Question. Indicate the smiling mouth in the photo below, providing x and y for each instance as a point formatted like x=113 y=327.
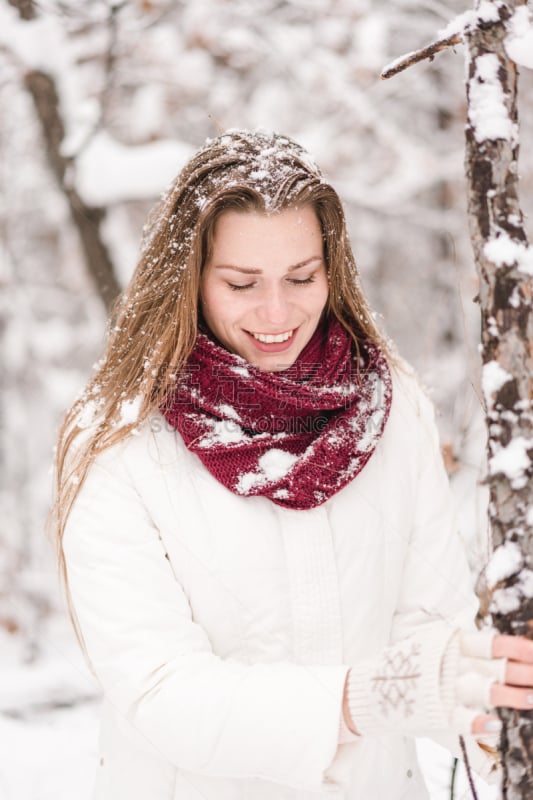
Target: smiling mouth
x=273 y=342
x=272 y=338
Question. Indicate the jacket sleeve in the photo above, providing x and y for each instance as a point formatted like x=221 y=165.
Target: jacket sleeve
x=437 y=583
x=275 y=721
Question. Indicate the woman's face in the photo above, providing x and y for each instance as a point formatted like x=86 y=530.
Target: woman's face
x=264 y=286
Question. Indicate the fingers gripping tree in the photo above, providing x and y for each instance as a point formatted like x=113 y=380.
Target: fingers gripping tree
x=498 y=35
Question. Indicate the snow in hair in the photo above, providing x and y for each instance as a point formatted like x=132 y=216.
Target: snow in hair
x=274 y=167
x=271 y=168
x=262 y=151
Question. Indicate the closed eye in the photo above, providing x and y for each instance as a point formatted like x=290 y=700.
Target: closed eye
x=236 y=288
x=296 y=282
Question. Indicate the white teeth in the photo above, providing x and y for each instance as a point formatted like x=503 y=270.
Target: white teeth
x=270 y=338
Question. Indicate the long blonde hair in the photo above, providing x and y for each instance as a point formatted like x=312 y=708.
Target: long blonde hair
x=153 y=323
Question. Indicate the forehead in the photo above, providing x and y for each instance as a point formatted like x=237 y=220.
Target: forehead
x=246 y=232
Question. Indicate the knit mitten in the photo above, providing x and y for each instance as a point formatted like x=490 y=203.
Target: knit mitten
x=438 y=679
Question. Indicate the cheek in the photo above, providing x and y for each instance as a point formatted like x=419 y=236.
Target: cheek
x=211 y=298
x=322 y=294
x=210 y=308
x=221 y=307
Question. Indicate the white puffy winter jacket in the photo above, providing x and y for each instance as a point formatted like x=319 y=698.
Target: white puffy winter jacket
x=221 y=628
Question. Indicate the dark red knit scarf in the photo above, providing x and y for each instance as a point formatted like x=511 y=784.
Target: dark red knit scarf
x=296 y=436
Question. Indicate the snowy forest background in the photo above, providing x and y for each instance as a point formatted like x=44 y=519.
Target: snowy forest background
x=140 y=84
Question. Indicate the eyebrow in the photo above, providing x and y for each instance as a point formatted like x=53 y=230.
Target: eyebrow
x=252 y=271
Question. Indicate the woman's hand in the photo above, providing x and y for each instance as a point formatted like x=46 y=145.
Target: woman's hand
x=517 y=690
x=439 y=679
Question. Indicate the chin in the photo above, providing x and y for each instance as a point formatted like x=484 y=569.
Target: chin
x=275 y=367
x=273 y=364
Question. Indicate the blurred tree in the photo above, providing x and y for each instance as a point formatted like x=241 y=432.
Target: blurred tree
x=86 y=219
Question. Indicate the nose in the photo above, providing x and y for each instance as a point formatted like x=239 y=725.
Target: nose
x=274 y=308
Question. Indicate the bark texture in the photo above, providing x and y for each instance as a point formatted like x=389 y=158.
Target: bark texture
x=500 y=248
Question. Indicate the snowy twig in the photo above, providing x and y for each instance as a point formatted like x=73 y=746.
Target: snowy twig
x=414 y=57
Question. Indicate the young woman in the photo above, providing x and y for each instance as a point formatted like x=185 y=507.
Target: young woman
x=254 y=522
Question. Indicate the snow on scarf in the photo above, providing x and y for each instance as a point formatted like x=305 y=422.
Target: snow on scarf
x=295 y=436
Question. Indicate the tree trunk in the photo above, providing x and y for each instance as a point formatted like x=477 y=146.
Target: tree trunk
x=86 y=219
x=505 y=266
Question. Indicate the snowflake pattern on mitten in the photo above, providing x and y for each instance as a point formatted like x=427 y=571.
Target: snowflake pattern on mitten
x=396 y=681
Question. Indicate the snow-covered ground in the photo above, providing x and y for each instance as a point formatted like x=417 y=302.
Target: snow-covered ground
x=49 y=755
x=48 y=719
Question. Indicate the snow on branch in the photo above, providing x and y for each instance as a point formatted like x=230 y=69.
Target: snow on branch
x=518 y=42
x=519 y=39
x=450 y=36
x=108 y=171
x=428 y=52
